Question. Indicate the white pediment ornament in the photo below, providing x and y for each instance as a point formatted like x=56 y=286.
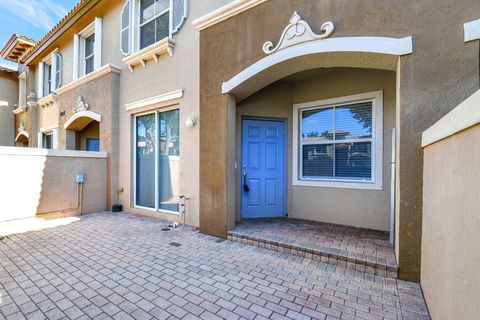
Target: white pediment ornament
x=80 y=106
x=298 y=31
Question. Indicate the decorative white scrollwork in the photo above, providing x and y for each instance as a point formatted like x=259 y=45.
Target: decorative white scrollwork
x=80 y=106
x=21 y=127
x=298 y=31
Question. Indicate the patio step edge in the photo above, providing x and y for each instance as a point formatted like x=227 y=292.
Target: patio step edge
x=333 y=256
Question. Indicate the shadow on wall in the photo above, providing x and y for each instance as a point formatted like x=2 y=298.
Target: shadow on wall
x=36 y=181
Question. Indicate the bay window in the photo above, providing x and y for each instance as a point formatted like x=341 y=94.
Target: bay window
x=338 y=142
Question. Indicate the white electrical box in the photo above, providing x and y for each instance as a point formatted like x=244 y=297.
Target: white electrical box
x=80 y=177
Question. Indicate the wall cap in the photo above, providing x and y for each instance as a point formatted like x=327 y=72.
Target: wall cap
x=108 y=68
x=12 y=151
x=225 y=12
x=464 y=116
x=471 y=30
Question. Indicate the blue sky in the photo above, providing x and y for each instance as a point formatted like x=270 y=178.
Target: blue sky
x=31 y=18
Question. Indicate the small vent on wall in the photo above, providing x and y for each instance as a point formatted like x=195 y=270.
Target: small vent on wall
x=62 y=113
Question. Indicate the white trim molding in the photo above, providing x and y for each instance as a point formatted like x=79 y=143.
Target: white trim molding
x=225 y=12
x=471 y=30
x=376 y=183
x=166 y=97
x=108 y=68
x=464 y=116
x=152 y=52
x=52 y=152
x=19 y=110
x=383 y=45
x=83 y=114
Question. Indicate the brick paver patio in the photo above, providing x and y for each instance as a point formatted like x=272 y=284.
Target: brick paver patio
x=122 y=266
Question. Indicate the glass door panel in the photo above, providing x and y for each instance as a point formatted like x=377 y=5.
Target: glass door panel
x=169 y=161
x=145 y=160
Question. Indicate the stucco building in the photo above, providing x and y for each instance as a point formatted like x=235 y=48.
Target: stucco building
x=215 y=111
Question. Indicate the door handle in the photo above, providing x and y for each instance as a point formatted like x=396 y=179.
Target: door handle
x=245 y=185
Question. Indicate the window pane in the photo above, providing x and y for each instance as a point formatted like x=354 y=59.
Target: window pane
x=125 y=44
x=353 y=121
x=147 y=34
x=353 y=160
x=317 y=160
x=317 y=125
x=169 y=161
x=161 y=5
x=126 y=16
x=89 y=44
x=147 y=10
x=47 y=141
x=89 y=65
x=145 y=161
x=162 y=27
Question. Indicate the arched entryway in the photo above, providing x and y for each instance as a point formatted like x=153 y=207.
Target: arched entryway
x=22 y=139
x=83 y=131
x=301 y=77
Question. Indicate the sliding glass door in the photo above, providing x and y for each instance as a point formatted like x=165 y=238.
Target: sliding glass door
x=157 y=161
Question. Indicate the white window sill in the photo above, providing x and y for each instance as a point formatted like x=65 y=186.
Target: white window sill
x=340 y=184
x=152 y=52
x=20 y=110
x=47 y=101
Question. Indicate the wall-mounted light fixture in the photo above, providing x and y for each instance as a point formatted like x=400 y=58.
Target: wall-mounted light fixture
x=190 y=122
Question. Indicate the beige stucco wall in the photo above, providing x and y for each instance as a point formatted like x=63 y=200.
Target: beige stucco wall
x=101 y=95
x=354 y=207
x=8 y=98
x=45 y=182
x=170 y=73
x=451 y=220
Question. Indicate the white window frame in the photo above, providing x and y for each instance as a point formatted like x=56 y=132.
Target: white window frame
x=376 y=183
x=138 y=24
x=52 y=131
x=157 y=159
x=87 y=32
x=79 y=65
x=22 y=90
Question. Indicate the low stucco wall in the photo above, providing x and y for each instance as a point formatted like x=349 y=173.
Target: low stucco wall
x=35 y=181
x=451 y=222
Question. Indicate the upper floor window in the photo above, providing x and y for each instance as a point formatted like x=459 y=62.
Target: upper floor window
x=154 y=21
x=49 y=74
x=87 y=51
x=22 y=90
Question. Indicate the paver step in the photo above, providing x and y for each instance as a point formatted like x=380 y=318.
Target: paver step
x=372 y=264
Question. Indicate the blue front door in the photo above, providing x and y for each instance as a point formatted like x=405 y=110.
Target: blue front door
x=263 y=169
